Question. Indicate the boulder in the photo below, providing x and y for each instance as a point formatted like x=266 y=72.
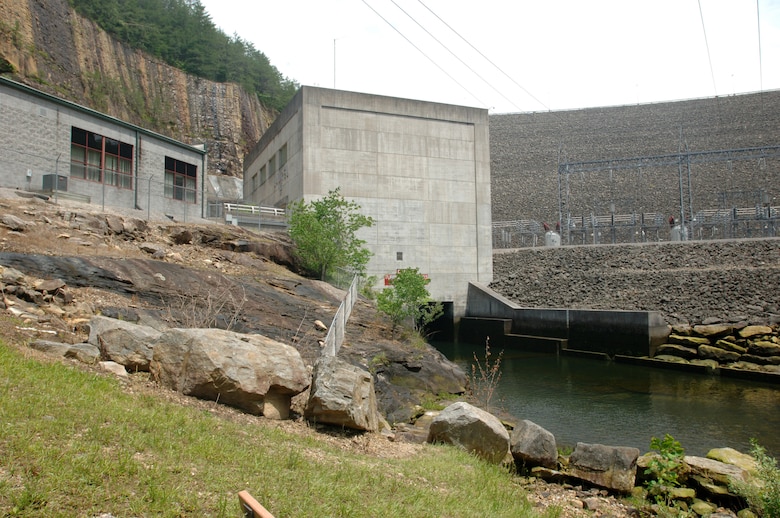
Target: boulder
x=760 y=360
x=343 y=395
x=85 y=353
x=113 y=368
x=123 y=342
x=764 y=348
x=713 y=330
x=50 y=285
x=735 y=458
x=15 y=223
x=688 y=341
x=115 y=224
x=715 y=471
x=50 y=347
x=752 y=331
x=709 y=352
x=244 y=371
x=676 y=350
x=532 y=445
x=471 y=429
x=610 y=467
x=133 y=225
x=730 y=346
x=181 y=236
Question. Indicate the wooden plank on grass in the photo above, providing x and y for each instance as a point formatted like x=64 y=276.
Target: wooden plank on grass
x=251 y=507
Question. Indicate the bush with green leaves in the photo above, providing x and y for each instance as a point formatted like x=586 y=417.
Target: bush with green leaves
x=407 y=300
x=763 y=493
x=325 y=235
x=665 y=466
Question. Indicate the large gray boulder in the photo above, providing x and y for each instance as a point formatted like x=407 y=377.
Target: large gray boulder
x=472 y=429
x=250 y=372
x=532 y=445
x=342 y=394
x=123 y=342
x=610 y=467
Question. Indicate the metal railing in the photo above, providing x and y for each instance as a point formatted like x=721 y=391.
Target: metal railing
x=738 y=222
x=335 y=337
x=236 y=208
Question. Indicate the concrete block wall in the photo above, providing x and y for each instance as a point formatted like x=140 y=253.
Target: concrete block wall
x=36 y=134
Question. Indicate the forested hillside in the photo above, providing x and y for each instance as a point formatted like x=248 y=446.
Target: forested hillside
x=182 y=33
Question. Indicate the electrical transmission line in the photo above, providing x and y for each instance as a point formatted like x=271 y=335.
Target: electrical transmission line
x=423 y=53
x=453 y=54
x=485 y=57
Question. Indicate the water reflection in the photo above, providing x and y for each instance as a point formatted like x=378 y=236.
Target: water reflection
x=583 y=400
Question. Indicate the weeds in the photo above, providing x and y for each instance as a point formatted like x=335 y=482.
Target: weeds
x=219 y=308
x=764 y=496
x=664 y=467
x=484 y=377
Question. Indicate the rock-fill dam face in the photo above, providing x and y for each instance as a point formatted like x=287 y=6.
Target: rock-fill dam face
x=687 y=282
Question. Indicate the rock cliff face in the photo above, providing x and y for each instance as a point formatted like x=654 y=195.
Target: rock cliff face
x=47 y=45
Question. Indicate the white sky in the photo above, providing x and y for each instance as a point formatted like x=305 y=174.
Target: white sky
x=549 y=54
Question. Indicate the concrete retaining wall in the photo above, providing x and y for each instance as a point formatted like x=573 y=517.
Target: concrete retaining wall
x=632 y=333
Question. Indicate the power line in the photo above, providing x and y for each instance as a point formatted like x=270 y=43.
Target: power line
x=485 y=57
x=760 y=59
x=454 y=55
x=707 y=45
x=423 y=53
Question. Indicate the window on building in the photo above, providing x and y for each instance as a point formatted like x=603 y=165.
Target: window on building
x=282 y=156
x=181 y=180
x=272 y=166
x=100 y=159
x=254 y=182
x=263 y=174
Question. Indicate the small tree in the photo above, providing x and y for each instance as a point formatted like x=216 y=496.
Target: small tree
x=407 y=299
x=324 y=232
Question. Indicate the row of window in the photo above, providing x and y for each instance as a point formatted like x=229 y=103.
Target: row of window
x=100 y=159
x=275 y=163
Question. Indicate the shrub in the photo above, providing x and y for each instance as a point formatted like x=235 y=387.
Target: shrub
x=407 y=299
x=763 y=496
x=664 y=468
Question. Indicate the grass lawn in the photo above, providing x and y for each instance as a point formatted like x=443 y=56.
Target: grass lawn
x=77 y=443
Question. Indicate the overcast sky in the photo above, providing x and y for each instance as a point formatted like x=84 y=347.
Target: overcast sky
x=526 y=55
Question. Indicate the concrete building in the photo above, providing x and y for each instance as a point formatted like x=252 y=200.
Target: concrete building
x=420 y=169
x=63 y=149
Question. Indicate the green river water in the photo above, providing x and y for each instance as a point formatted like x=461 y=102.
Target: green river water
x=595 y=401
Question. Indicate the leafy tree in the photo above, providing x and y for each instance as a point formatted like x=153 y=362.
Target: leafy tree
x=407 y=299
x=324 y=232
